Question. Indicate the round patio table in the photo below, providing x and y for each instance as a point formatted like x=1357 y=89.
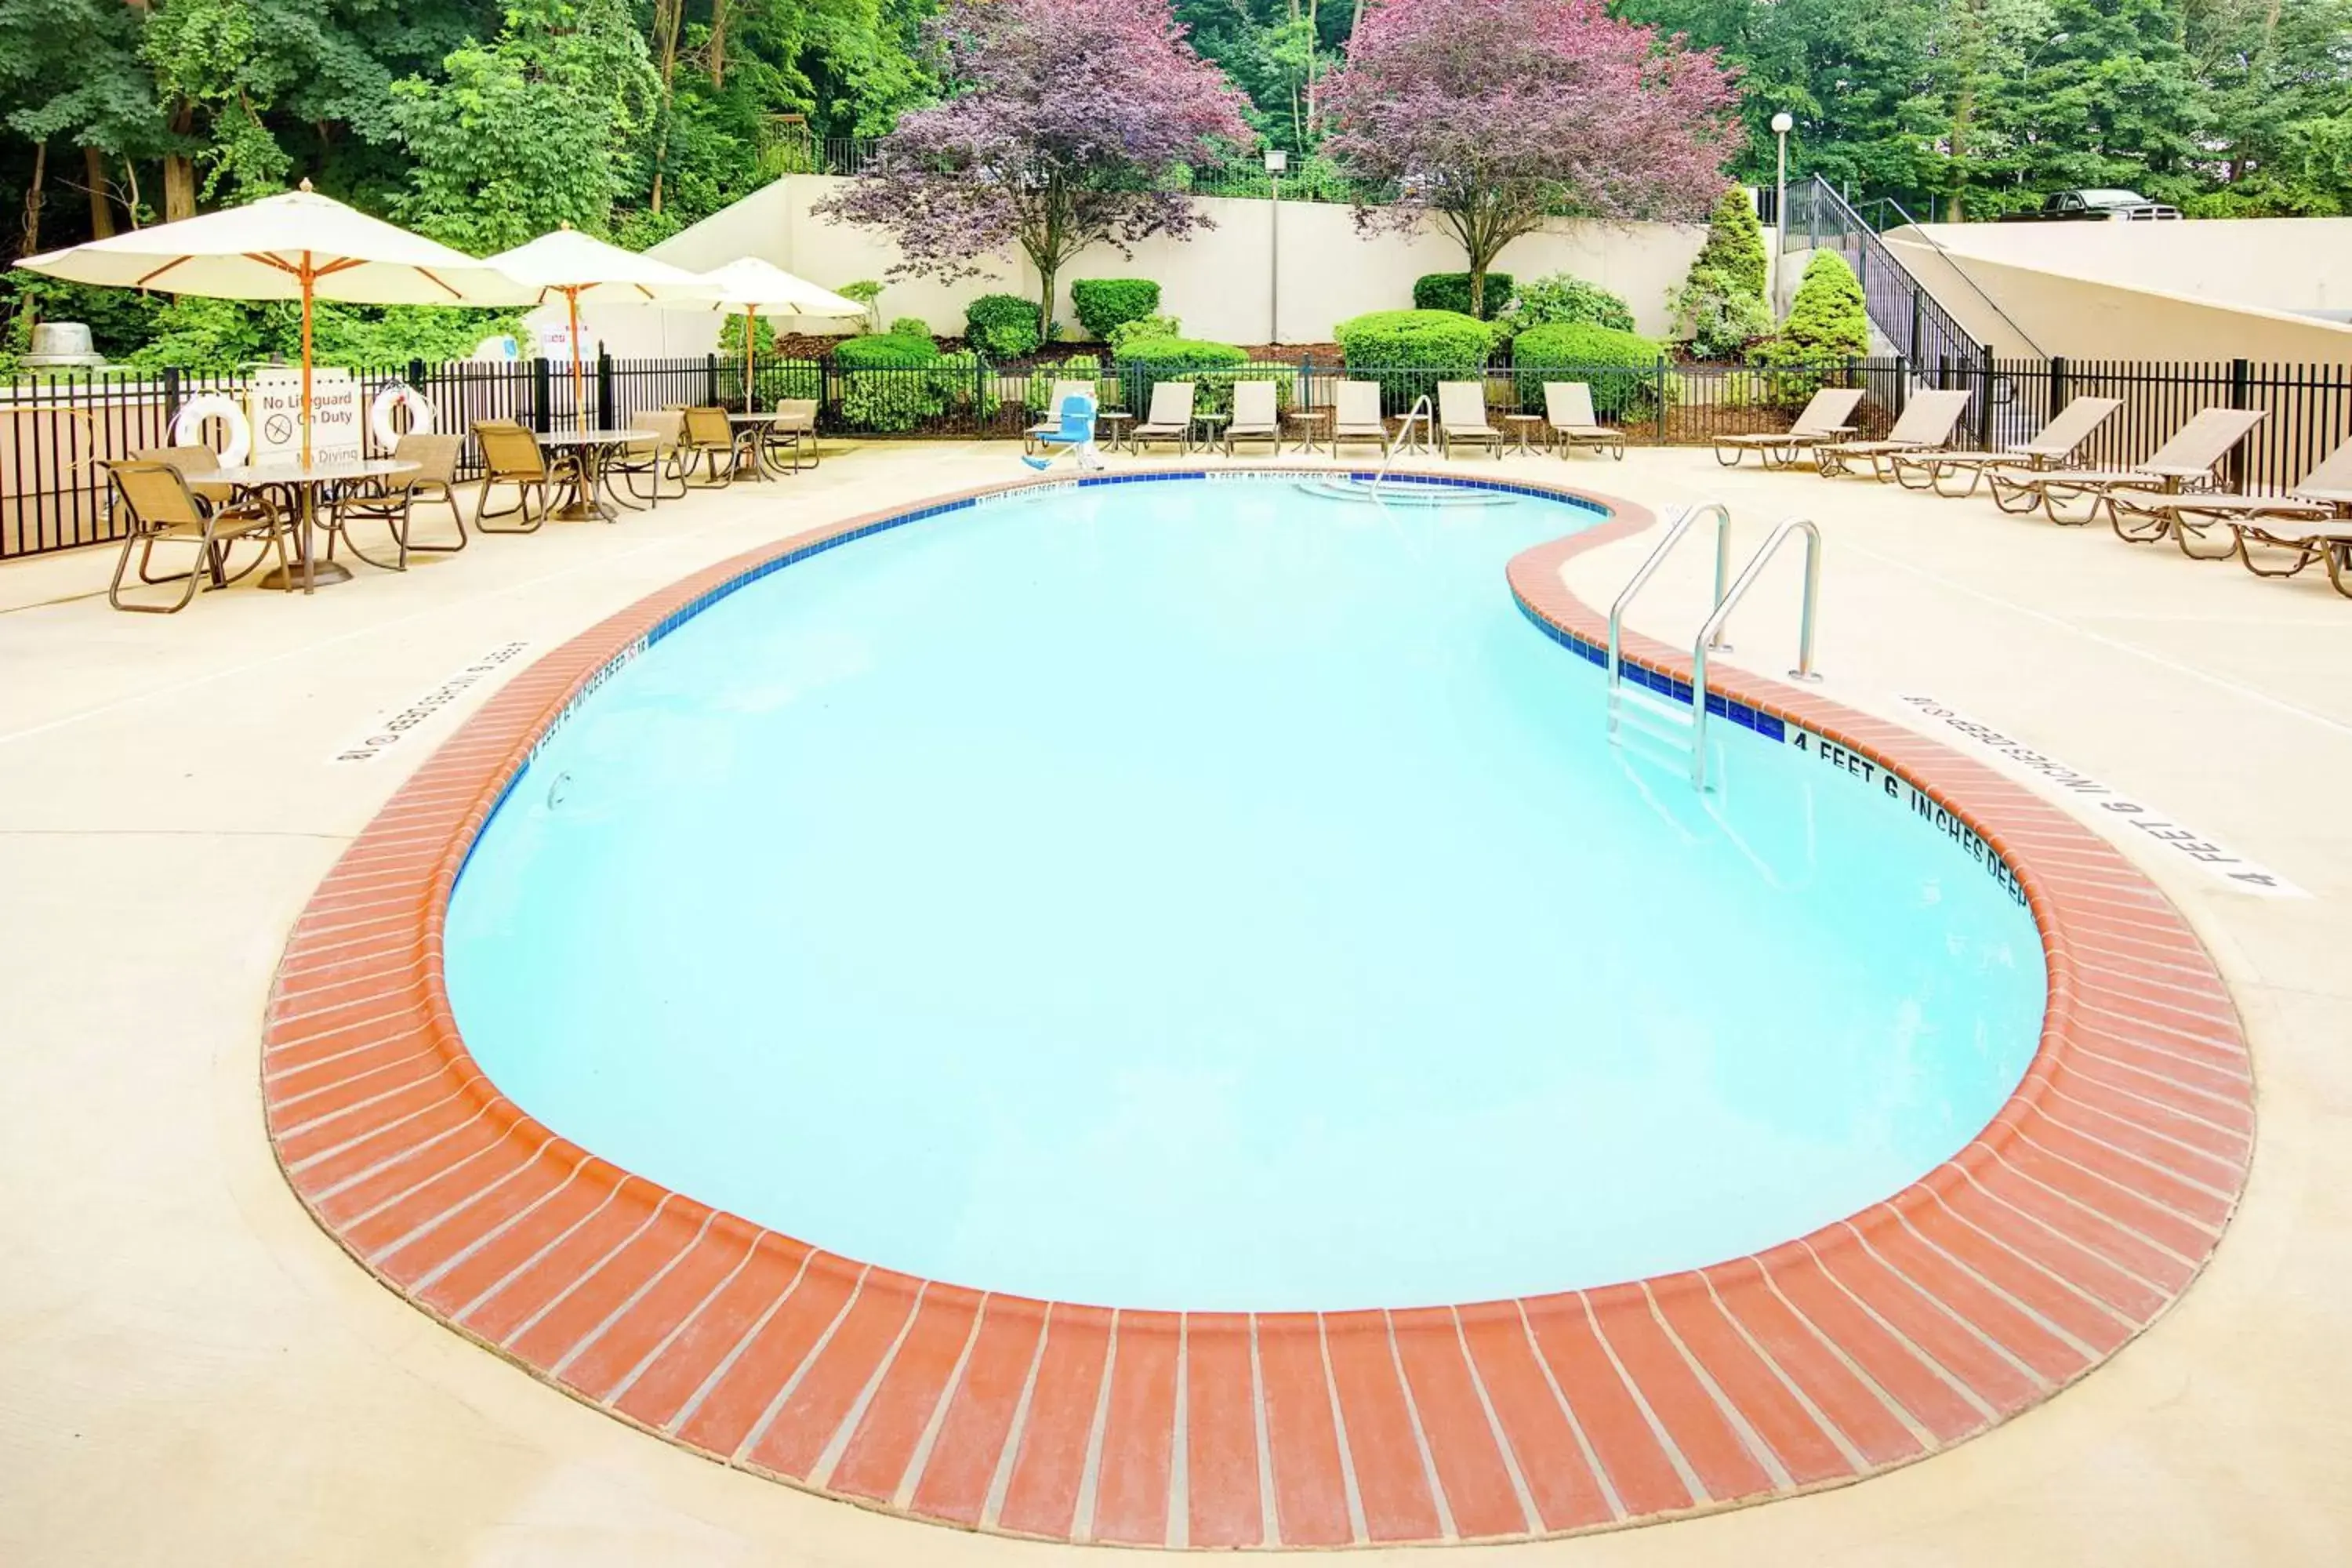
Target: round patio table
x=592 y=448
x=1314 y=428
x=1523 y=425
x=302 y=482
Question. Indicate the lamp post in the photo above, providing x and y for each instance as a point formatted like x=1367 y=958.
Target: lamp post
x=1277 y=161
x=1782 y=123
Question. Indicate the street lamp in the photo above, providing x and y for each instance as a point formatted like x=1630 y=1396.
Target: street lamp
x=1782 y=123
x=1277 y=161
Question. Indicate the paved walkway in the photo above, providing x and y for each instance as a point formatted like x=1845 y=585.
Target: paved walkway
x=171 y=1320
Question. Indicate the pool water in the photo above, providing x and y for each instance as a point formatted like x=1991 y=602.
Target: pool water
x=1209 y=896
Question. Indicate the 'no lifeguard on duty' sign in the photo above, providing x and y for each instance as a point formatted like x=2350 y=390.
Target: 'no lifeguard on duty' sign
x=335 y=427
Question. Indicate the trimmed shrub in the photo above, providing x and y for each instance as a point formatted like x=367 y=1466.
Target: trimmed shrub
x=773 y=379
x=1141 y=327
x=1451 y=291
x=1560 y=297
x=1213 y=367
x=889 y=383
x=1104 y=304
x=1077 y=368
x=1828 y=324
x=1001 y=326
x=1735 y=244
x=1408 y=351
x=911 y=327
x=1623 y=367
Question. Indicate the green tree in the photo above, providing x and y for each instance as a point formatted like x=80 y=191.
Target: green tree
x=1828 y=320
x=531 y=131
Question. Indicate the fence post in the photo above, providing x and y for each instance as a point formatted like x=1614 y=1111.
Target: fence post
x=1813 y=220
x=1984 y=400
x=2057 y=387
x=980 y=395
x=605 y=411
x=171 y=400
x=1658 y=395
x=1903 y=365
x=2241 y=375
x=1914 y=324
x=416 y=373
x=542 y=393
x=710 y=379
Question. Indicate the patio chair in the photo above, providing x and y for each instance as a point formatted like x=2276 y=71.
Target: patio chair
x=1461 y=417
x=2312 y=509
x=393 y=502
x=511 y=456
x=1826 y=418
x=1052 y=424
x=655 y=465
x=2186 y=461
x=1926 y=424
x=195 y=461
x=2054 y=445
x=161 y=508
x=1356 y=416
x=1255 y=418
x=712 y=439
x=793 y=429
x=1169 y=417
x=1568 y=412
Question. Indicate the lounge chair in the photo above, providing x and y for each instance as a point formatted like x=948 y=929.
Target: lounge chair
x=1926 y=424
x=794 y=430
x=1170 y=418
x=162 y=507
x=2056 y=443
x=393 y=502
x=1827 y=417
x=722 y=446
x=1461 y=417
x=511 y=456
x=2309 y=510
x=1568 y=410
x=1254 y=416
x=1356 y=416
x=1052 y=424
x=2188 y=460
x=655 y=465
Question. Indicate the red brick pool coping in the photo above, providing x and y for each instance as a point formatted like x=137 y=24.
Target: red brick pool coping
x=2065 y=1229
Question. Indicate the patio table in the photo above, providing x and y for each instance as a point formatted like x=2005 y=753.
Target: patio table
x=591 y=449
x=302 y=482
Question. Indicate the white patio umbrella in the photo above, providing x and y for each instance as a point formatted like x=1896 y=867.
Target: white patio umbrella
x=750 y=285
x=574 y=265
x=300 y=246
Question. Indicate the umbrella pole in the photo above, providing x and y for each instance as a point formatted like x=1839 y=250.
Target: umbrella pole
x=579 y=375
x=750 y=349
x=309 y=281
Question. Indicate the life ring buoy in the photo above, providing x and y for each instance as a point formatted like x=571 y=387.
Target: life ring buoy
x=188 y=426
x=399 y=395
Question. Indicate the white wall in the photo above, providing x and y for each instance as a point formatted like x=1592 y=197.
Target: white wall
x=1223 y=283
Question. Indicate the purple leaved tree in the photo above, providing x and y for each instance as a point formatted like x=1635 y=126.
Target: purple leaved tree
x=1490 y=115
x=1066 y=122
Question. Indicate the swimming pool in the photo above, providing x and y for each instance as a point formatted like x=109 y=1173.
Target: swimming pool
x=1208 y=896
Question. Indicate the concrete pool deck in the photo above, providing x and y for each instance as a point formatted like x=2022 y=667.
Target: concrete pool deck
x=172 y=1316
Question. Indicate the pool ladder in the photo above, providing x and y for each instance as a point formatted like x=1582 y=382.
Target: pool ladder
x=1634 y=712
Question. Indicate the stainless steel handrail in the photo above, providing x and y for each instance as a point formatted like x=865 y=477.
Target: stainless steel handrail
x=1724 y=602
x=1421 y=411
x=1675 y=530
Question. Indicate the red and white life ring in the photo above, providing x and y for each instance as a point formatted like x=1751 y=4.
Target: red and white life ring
x=399 y=395
x=188 y=426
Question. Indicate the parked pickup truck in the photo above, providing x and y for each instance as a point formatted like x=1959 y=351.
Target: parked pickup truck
x=2097 y=207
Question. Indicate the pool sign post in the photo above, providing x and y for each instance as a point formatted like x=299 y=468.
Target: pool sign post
x=335 y=424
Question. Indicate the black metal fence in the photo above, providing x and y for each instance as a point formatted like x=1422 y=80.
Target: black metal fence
x=56 y=434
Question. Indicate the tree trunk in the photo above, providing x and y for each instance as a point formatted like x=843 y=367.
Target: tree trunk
x=718 y=44
x=180 y=170
x=1964 y=109
x=34 y=197
x=667 y=16
x=101 y=212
